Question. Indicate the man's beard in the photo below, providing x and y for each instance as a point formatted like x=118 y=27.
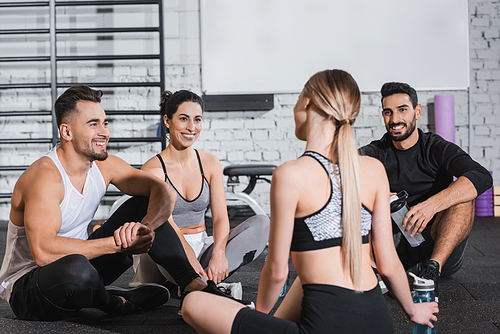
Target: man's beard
x=83 y=148
x=409 y=130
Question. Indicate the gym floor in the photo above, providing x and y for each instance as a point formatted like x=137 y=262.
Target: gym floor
x=469 y=301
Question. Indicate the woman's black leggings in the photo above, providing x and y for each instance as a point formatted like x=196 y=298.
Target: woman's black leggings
x=53 y=291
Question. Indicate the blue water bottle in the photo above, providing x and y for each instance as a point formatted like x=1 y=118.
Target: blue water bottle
x=423 y=291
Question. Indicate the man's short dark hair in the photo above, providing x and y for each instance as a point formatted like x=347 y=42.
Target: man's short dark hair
x=66 y=103
x=391 y=88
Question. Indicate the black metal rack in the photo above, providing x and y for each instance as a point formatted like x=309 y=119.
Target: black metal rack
x=52 y=32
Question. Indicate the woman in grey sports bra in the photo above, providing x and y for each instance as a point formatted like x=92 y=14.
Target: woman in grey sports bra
x=340 y=289
x=197 y=178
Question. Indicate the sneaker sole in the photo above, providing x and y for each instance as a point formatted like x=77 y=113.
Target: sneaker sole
x=146 y=296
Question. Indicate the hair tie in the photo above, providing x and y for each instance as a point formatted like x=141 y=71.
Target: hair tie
x=344 y=121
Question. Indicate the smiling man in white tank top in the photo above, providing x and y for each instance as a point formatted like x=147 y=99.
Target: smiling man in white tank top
x=51 y=267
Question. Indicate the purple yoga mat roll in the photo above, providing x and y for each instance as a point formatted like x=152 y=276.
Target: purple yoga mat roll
x=484 y=211
x=484 y=214
x=484 y=203
x=444 y=116
x=487 y=197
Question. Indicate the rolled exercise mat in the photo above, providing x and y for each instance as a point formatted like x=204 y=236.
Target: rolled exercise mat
x=484 y=203
x=444 y=116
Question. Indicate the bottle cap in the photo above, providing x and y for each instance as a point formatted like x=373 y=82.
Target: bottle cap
x=422 y=284
x=396 y=203
x=403 y=194
x=393 y=198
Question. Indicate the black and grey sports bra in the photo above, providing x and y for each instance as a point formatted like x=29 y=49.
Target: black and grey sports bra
x=323 y=228
x=189 y=213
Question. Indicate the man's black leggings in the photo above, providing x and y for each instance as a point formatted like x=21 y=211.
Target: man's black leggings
x=53 y=291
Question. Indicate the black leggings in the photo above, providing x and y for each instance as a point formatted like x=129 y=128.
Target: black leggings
x=53 y=291
x=325 y=309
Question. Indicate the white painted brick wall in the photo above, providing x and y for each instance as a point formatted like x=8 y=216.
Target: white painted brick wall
x=485 y=28
x=234 y=137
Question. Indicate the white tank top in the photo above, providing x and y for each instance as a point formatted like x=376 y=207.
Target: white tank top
x=77 y=210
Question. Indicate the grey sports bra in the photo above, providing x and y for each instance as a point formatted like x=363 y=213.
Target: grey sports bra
x=189 y=213
x=323 y=228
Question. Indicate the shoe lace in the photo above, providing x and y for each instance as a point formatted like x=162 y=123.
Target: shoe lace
x=429 y=273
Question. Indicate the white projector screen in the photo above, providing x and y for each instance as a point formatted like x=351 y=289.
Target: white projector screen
x=274 y=46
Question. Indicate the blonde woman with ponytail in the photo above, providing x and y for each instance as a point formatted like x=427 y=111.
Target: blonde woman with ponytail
x=323 y=207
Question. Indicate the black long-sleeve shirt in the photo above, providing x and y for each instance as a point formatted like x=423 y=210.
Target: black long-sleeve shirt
x=426 y=168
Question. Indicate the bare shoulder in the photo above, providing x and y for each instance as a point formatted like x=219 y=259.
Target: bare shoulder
x=211 y=164
x=288 y=185
x=208 y=159
x=291 y=171
x=39 y=183
x=371 y=168
x=153 y=162
x=41 y=172
x=153 y=166
x=373 y=180
x=304 y=166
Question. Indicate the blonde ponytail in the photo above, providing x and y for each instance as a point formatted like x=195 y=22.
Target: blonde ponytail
x=347 y=156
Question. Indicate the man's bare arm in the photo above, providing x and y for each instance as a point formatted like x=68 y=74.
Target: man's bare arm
x=40 y=191
x=460 y=191
x=139 y=183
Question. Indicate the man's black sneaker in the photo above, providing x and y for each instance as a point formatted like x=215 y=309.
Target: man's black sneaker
x=146 y=296
x=431 y=271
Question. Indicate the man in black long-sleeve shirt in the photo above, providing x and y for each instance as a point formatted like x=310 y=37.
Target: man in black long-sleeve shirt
x=424 y=165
